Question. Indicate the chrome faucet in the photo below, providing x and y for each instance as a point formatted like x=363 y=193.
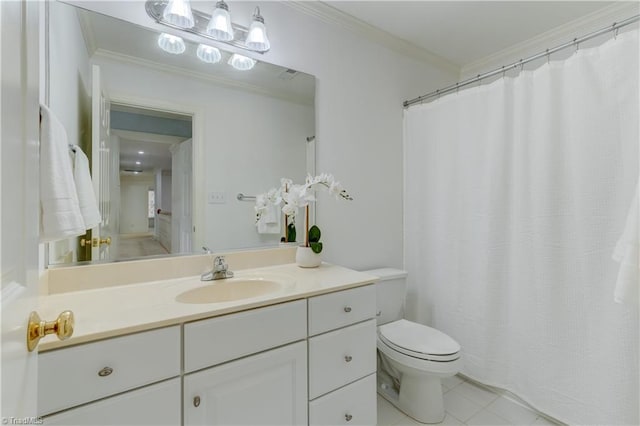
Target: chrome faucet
x=220 y=270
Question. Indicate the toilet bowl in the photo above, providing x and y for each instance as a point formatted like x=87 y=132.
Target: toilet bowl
x=412 y=358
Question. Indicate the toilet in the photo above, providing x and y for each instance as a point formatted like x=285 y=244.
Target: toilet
x=412 y=358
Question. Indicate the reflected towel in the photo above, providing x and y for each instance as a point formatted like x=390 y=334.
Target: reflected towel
x=84 y=186
x=627 y=252
x=269 y=222
x=60 y=215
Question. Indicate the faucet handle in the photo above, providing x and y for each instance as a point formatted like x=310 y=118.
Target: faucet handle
x=219 y=264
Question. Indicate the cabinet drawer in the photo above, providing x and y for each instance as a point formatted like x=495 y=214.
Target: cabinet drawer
x=341 y=357
x=354 y=404
x=75 y=375
x=157 y=404
x=335 y=310
x=214 y=341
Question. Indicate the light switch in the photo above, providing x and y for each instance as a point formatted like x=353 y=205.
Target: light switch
x=217 y=198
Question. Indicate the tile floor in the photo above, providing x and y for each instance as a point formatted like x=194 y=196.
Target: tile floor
x=468 y=404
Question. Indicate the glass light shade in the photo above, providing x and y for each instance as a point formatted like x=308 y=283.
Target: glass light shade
x=257 y=38
x=178 y=12
x=241 y=63
x=220 y=24
x=208 y=54
x=171 y=44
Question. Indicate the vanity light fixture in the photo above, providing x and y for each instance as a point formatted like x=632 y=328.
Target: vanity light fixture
x=257 y=38
x=208 y=54
x=171 y=44
x=140 y=152
x=217 y=26
x=241 y=63
x=220 y=23
x=178 y=13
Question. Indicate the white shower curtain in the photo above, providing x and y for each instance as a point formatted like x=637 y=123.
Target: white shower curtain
x=515 y=195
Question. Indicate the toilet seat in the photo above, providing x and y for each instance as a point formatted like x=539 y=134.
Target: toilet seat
x=419 y=341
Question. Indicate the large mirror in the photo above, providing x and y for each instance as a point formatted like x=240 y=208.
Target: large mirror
x=172 y=141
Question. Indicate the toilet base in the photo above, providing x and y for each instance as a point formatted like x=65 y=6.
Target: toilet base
x=427 y=408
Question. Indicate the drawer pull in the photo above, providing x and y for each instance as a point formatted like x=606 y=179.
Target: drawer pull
x=348 y=417
x=105 y=372
x=347 y=309
x=196 y=401
x=348 y=358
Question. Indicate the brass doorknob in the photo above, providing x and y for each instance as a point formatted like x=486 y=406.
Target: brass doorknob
x=37 y=329
x=106 y=241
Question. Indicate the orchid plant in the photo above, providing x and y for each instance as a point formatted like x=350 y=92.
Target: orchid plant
x=295 y=196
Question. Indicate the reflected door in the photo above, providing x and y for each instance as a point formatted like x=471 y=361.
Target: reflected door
x=104 y=169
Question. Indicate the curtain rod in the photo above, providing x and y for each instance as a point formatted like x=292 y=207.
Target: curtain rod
x=576 y=41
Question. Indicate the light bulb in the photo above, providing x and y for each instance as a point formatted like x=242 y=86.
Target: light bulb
x=257 y=38
x=171 y=44
x=241 y=63
x=208 y=54
x=178 y=12
x=220 y=24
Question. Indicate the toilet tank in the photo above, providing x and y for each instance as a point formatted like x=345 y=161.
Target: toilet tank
x=390 y=291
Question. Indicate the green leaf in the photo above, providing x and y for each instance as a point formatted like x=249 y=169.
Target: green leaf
x=291 y=232
x=316 y=247
x=314 y=235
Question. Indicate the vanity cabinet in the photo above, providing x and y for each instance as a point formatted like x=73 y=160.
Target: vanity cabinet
x=308 y=361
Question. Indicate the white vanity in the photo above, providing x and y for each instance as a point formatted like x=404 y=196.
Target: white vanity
x=302 y=355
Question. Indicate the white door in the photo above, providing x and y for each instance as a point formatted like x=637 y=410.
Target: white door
x=19 y=202
x=101 y=167
x=181 y=221
x=265 y=389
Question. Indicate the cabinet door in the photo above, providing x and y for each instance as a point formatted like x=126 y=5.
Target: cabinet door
x=158 y=404
x=269 y=388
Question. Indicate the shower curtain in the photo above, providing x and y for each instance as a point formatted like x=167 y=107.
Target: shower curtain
x=516 y=192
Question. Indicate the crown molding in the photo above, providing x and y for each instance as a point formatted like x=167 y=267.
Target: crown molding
x=329 y=14
x=190 y=74
x=566 y=32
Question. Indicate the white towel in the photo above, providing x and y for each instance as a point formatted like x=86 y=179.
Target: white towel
x=60 y=215
x=627 y=252
x=84 y=186
x=269 y=222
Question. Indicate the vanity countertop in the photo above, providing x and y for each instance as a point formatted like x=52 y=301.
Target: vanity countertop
x=114 y=311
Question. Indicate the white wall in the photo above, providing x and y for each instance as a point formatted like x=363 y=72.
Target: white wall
x=360 y=89
x=359 y=95
x=134 y=193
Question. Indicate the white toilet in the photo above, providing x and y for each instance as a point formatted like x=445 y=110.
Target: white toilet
x=412 y=358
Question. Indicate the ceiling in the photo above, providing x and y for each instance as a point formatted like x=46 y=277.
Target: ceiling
x=465 y=31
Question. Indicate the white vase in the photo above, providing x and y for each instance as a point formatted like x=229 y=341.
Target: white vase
x=306 y=258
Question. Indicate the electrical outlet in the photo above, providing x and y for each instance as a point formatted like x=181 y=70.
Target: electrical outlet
x=217 y=198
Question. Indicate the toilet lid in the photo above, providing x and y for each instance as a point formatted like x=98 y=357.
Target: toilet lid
x=419 y=341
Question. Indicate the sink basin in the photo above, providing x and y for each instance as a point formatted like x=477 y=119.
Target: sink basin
x=230 y=289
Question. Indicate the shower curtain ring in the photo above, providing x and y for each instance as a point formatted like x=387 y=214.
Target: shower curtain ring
x=457 y=88
x=548 y=56
x=616 y=31
x=503 y=72
x=575 y=41
x=521 y=65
